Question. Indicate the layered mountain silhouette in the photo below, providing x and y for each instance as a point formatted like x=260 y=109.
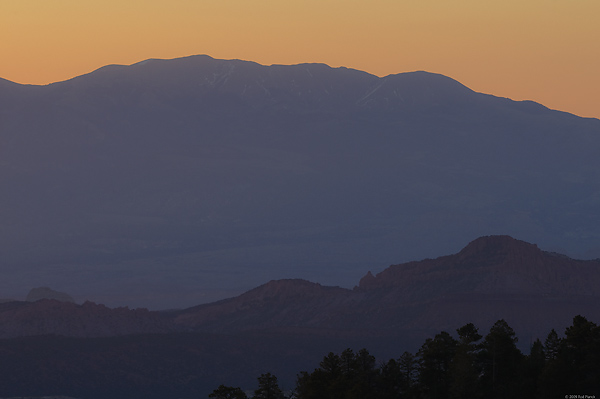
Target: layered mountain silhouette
x=492 y=278
x=286 y=326
x=196 y=179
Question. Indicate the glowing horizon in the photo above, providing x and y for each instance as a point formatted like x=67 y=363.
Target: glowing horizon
x=539 y=50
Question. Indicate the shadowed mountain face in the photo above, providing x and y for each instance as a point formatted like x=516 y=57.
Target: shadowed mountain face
x=492 y=278
x=170 y=183
x=50 y=316
x=286 y=326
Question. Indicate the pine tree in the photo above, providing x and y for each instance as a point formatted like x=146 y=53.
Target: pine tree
x=501 y=362
x=552 y=346
x=463 y=371
x=268 y=388
x=224 y=392
x=533 y=368
x=435 y=357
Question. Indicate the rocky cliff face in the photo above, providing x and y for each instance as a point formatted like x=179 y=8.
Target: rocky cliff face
x=498 y=265
x=491 y=278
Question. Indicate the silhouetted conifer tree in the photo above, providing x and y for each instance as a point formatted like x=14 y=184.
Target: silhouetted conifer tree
x=466 y=368
x=533 y=367
x=501 y=362
x=363 y=383
x=581 y=353
x=574 y=367
x=225 y=392
x=409 y=369
x=268 y=388
x=435 y=358
x=552 y=345
x=390 y=380
x=464 y=371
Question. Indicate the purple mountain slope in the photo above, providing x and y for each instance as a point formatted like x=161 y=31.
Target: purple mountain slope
x=287 y=325
x=203 y=178
x=49 y=316
x=492 y=278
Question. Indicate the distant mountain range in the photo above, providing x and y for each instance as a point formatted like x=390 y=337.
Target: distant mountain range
x=492 y=278
x=169 y=183
x=286 y=326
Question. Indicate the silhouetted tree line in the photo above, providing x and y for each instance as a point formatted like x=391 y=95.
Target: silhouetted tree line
x=471 y=366
x=268 y=388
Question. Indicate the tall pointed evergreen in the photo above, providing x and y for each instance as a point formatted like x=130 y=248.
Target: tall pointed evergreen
x=435 y=358
x=268 y=388
x=464 y=372
x=501 y=362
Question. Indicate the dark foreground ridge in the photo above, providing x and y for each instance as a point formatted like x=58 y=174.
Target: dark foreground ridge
x=465 y=364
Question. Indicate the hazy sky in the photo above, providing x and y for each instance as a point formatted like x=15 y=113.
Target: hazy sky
x=543 y=50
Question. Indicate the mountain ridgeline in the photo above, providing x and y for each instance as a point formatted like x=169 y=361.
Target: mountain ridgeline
x=492 y=278
x=202 y=178
x=282 y=326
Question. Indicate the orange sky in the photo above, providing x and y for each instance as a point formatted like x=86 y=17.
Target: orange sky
x=544 y=50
